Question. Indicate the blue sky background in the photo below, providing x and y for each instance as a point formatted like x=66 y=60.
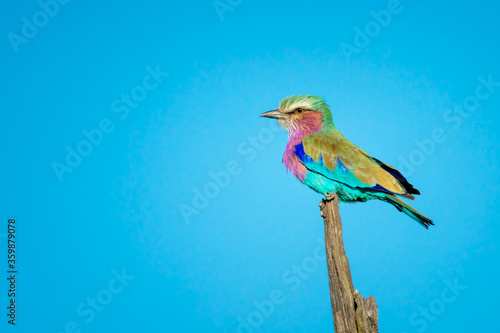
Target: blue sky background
x=118 y=212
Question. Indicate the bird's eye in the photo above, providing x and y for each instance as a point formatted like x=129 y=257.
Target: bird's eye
x=299 y=110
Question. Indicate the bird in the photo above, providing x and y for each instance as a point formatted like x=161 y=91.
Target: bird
x=320 y=157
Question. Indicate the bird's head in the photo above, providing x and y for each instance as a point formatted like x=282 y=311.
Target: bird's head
x=304 y=113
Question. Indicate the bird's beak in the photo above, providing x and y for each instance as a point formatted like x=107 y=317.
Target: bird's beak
x=275 y=114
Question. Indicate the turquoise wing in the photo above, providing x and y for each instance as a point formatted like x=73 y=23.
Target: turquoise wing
x=335 y=157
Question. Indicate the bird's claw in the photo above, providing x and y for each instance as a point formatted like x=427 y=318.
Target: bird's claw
x=329 y=197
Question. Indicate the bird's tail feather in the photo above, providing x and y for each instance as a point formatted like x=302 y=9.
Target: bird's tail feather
x=409 y=210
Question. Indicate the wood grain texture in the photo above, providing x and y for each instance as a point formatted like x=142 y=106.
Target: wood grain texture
x=351 y=312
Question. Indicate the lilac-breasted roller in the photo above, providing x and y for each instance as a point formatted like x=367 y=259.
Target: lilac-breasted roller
x=323 y=159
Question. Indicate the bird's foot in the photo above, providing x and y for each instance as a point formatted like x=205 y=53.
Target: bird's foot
x=329 y=197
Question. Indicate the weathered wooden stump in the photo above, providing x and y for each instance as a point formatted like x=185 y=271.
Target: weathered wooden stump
x=351 y=312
